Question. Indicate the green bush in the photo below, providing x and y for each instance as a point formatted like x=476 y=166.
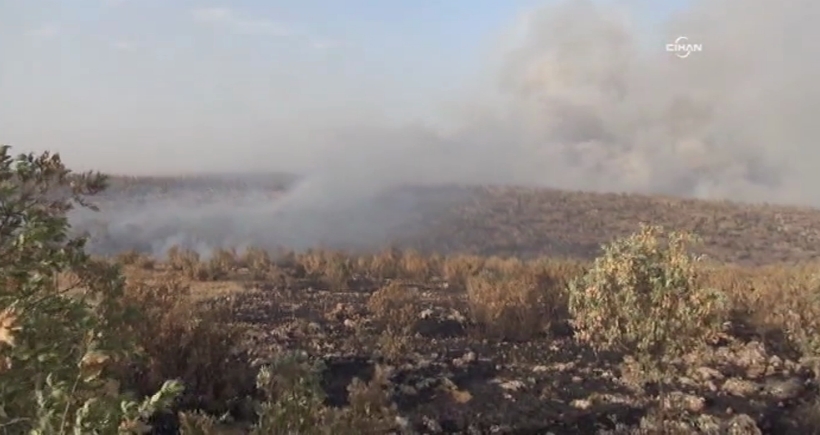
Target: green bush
x=295 y=403
x=641 y=296
x=62 y=320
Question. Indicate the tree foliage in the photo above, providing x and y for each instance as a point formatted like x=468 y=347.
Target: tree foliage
x=62 y=319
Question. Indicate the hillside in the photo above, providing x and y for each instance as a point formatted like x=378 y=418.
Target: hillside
x=504 y=221
x=532 y=222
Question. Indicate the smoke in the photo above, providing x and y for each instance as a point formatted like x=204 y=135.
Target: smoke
x=584 y=100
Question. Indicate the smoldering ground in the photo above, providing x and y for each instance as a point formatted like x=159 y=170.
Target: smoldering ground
x=584 y=100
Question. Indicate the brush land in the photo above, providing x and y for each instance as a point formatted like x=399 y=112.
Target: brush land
x=463 y=350
x=477 y=320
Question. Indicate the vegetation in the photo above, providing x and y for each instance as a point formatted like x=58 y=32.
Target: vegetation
x=645 y=338
x=59 y=336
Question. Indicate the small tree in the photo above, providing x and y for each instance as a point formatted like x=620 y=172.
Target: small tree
x=641 y=296
x=62 y=320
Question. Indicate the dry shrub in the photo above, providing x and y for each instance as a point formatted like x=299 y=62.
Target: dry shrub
x=508 y=306
x=395 y=306
x=371 y=410
x=554 y=275
x=435 y=262
x=255 y=258
x=332 y=267
x=286 y=259
x=386 y=264
x=506 y=266
x=183 y=260
x=642 y=296
x=313 y=262
x=394 y=346
x=337 y=270
x=780 y=303
x=128 y=257
x=135 y=258
x=361 y=265
x=457 y=269
x=415 y=266
x=258 y=263
x=145 y=262
x=562 y=271
x=180 y=339
x=785 y=300
x=218 y=267
x=750 y=290
x=225 y=259
x=295 y=402
x=799 y=314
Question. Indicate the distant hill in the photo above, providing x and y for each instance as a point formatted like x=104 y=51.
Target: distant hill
x=506 y=221
x=528 y=222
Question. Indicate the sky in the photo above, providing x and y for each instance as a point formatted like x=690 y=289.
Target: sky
x=155 y=86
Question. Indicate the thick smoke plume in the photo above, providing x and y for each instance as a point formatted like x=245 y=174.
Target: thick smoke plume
x=584 y=101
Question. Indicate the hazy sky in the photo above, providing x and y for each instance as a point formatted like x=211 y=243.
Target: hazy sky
x=164 y=86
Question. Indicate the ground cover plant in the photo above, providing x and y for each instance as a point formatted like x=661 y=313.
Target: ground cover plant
x=523 y=325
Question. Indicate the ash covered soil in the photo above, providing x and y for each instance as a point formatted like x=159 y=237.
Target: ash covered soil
x=448 y=374
x=445 y=372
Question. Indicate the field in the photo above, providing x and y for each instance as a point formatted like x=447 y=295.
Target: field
x=463 y=322
x=464 y=353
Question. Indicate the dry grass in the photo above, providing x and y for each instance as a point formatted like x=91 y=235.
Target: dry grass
x=508 y=305
x=395 y=306
x=181 y=339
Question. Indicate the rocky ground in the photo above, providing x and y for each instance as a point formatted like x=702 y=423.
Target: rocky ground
x=446 y=376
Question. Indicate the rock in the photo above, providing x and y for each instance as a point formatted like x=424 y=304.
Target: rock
x=784 y=389
x=540 y=369
x=408 y=390
x=688 y=382
x=426 y=313
x=457 y=316
x=742 y=424
x=754 y=359
x=511 y=385
x=739 y=387
x=432 y=425
x=581 y=403
x=465 y=359
x=707 y=424
x=564 y=366
x=461 y=396
x=680 y=400
x=708 y=374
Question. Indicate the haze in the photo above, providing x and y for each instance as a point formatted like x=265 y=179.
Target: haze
x=361 y=96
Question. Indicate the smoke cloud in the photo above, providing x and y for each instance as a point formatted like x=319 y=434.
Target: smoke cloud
x=585 y=100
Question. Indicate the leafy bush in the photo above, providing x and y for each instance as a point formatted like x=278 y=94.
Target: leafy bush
x=642 y=296
x=295 y=403
x=62 y=320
